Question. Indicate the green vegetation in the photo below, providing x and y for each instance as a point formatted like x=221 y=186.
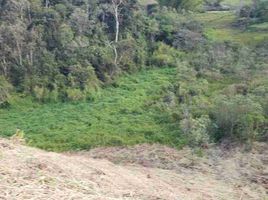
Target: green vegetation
x=243 y=37
x=80 y=74
x=236 y=3
x=220 y=26
x=123 y=114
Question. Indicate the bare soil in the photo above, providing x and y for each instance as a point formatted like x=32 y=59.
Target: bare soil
x=146 y=172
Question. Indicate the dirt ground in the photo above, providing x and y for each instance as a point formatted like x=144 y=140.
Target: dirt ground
x=146 y=172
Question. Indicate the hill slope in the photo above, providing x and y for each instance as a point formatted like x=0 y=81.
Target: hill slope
x=122 y=115
x=27 y=173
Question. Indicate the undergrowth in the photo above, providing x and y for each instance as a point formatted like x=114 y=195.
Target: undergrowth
x=123 y=114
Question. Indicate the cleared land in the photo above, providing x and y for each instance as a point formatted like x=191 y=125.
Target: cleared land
x=28 y=173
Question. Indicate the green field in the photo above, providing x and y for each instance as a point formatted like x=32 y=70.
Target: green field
x=236 y=3
x=219 y=26
x=120 y=115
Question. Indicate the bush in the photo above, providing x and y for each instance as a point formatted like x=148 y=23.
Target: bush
x=5 y=89
x=83 y=77
x=42 y=94
x=196 y=130
x=227 y=58
x=127 y=50
x=166 y=56
x=245 y=11
x=75 y=95
x=187 y=40
x=238 y=117
x=262 y=10
x=259 y=11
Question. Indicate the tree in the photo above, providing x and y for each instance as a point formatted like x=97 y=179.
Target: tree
x=116 y=4
x=47 y=3
x=116 y=10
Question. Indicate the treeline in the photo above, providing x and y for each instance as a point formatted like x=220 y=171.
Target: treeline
x=60 y=49
x=64 y=49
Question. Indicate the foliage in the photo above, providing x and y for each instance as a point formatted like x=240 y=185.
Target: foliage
x=5 y=89
x=80 y=74
x=123 y=114
x=196 y=130
x=182 y=4
x=47 y=48
x=165 y=55
x=238 y=117
x=257 y=10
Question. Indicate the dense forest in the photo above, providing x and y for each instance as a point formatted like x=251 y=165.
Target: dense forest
x=75 y=74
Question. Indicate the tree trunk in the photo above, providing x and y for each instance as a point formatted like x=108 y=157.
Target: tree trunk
x=116 y=16
x=241 y=4
x=19 y=52
x=115 y=54
x=116 y=9
x=29 y=13
x=4 y=66
x=117 y=25
x=47 y=3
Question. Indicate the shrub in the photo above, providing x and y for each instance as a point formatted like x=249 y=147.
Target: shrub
x=18 y=137
x=245 y=11
x=83 y=77
x=5 y=89
x=166 y=56
x=227 y=58
x=75 y=94
x=187 y=40
x=196 y=130
x=127 y=50
x=261 y=11
x=258 y=11
x=42 y=94
x=238 y=117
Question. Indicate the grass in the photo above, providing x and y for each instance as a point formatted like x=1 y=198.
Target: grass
x=259 y=27
x=121 y=115
x=235 y=3
x=148 y=2
x=235 y=35
x=216 y=19
x=219 y=27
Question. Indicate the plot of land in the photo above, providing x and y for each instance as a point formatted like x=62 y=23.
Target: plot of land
x=28 y=173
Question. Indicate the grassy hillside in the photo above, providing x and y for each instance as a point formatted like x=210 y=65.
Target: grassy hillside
x=219 y=26
x=120 y=115
x=235 y=3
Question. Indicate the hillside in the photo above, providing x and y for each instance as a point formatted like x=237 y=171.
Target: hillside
x=87 y=74
x=27 y=173
x=122 y=115
x=134 y=99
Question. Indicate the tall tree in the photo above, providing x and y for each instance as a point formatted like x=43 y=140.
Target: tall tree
x=116 y=11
